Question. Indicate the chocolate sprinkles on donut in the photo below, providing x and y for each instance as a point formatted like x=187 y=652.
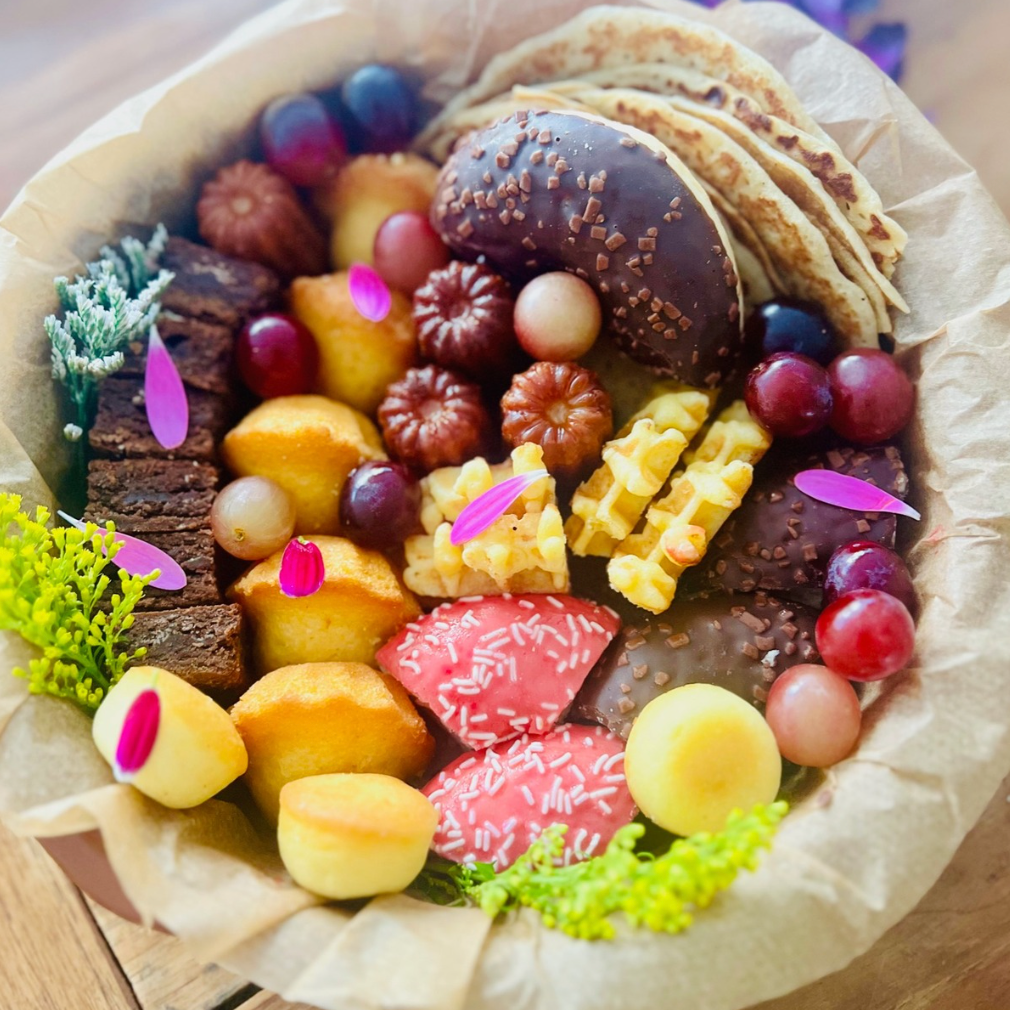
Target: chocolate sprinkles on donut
x=543 y=191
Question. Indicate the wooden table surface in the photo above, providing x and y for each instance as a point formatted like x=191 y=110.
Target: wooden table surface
x=63 y=63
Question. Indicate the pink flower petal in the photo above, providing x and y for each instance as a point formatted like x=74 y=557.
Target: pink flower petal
x=139 y=558
x=369 y=293
x=138 y=735
x=850 y=493
x=164 y=395
x=491 y=506
x=302 y=569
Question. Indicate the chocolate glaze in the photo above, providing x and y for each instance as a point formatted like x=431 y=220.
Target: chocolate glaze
x=780 y=540
x=542 y=191
x=739 y=644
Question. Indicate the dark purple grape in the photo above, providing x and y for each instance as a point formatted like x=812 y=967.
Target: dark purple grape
x=383 y=104
x=301 y=140
x=788 y=324
x=380 y=504
x=872 y=398
x=789 y=395
x=864 y=564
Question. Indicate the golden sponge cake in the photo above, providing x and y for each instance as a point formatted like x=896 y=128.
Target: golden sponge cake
x=360 y=605
x=352 y=836
x=321 y=718
x=308 y=445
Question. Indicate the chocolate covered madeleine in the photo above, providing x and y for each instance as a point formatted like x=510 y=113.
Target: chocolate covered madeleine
x=780 y=539
x=543 y=191
x=739 y=644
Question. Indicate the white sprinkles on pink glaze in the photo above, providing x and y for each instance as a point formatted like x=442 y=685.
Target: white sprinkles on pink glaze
x=491 y=668
x=494 y=804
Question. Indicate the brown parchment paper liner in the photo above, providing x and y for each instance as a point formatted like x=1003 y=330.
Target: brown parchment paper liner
x=935 y=745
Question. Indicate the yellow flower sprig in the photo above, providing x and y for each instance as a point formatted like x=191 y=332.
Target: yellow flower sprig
x=660 y=893
x=53 y=586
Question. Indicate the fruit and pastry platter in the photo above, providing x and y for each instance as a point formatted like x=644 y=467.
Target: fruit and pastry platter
x=489 y=491
x=503 y=501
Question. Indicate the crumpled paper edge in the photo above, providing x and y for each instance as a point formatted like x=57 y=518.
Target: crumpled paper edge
x=852 y=896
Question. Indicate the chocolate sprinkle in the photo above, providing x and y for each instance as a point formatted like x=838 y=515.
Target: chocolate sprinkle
x=780 y=540
x=632 y=193
x=719 y=648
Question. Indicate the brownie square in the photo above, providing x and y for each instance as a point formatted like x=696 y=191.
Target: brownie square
x=194 y=551
x=121 y=429
x=206 y=646
x=216 y=288
x=151 y=495
x=202 y=352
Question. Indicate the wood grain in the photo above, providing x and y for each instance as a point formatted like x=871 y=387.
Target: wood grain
x=268 y=1001
x=162 y=974
x=50 y=945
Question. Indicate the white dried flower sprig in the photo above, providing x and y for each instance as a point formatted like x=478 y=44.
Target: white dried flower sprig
x=115 y=303
x=135 y=264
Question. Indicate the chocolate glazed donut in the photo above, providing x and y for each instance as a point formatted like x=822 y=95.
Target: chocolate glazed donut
x=542 y=191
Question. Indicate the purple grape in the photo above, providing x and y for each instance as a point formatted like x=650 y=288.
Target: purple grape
x=380 y=504
x=864 y=564
x=301 y=140
x=788 y=324
x=789 y=395
x=383 y=105
x=872 y=397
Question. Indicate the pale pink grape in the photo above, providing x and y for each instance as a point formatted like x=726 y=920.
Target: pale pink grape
x=814 y=715
x=557 y=317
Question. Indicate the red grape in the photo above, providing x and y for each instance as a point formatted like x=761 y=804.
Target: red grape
x=788 y=393
x=866 y=635
x=407 y=249
x=557 y=317
x=788 y=324
x=864 y=564
x=380 y=504
x=814 y=715
x=277 y=356
x=301 y=140
x=872 y=398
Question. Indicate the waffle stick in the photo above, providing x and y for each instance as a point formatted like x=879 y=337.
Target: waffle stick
x=636 y=465
x=647 y=566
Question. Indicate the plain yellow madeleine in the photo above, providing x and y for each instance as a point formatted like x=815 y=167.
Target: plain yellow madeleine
x=352 y=836
x=368 y=190
x=697 y=753
x=197 y=751
x=308 y=445
x=320 y=718
x=360 y=606
x=358 y=358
